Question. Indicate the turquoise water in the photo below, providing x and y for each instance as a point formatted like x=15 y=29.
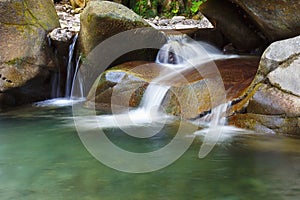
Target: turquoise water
x=42 y=157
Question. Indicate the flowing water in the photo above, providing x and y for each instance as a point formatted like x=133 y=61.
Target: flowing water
x=70 y=68
x=42 y=156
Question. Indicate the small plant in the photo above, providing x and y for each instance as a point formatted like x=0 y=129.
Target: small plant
x=146 y=8
x=141 y=7
x=174 y=7
x=195 y=6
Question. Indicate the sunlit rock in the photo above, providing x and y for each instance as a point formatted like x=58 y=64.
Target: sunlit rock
x=188 y=95
x=102 y=19
x=275 y=91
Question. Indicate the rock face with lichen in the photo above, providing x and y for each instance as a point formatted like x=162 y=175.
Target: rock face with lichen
x=25 y=56
x=275 y=105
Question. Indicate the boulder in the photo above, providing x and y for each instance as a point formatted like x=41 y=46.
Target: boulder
x=102 y=19
x=25 y=55
x=233 y=25
x=189 y=96
x=252 y=25
x=276 y=19
x=268 y=124
x=275 y=91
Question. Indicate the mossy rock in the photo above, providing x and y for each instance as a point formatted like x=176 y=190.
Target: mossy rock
x=25 y=55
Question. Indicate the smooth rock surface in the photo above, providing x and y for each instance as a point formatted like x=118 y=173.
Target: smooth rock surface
x=269 y=100
x=277 y=19
x=267 y=124
x=287 y=78
x=25 y=55
x=102 y=19
x=226 y=18
x=273 y=102
x=188 y=96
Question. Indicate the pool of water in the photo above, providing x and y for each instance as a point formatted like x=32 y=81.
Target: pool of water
x=42 y=157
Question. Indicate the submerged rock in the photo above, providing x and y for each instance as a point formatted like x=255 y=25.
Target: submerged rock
x=25 y=56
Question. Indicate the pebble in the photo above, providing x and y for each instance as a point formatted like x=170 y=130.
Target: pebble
x=179 y=22
x=69 y=20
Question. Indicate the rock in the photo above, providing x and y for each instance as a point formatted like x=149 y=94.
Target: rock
x=25 y=55
x=78 y=3
x=102 y=19
x=189 y=95
x=281 y=77
x=275 y=90
x=269 y=100
x=179 y=23
x=277 y=19
x=227 y=18
x=267 y=124
x=177 y=19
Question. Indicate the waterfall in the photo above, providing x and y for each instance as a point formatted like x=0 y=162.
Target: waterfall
x=70 y=68
x=153 y=97
x=181 y=51
x=180 y=54
x=71 y=74
x=77 y=76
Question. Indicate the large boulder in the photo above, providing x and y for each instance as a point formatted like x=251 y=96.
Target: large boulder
x=189 y=95
x=25 y=56
x=277 y=19
x=275 y=91
x=232 y=24
x=102 y=19
x=252 y=25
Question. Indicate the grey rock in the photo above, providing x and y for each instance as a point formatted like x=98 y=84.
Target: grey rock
x=287 y=78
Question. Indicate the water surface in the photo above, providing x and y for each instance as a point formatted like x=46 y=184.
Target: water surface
x=42 y=157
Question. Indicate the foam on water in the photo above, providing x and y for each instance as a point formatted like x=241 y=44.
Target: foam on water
x=58 y=102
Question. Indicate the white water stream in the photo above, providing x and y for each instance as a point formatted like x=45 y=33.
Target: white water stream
x=180 y=54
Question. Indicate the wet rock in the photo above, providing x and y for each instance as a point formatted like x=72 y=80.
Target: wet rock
x=268 y=124
x=277 y=19
x=25 y=54
x=188 y=96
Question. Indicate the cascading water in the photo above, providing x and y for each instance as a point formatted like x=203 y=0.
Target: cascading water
x=77 y=77
x=71 y=72
x=181 y=51
x=180 y=54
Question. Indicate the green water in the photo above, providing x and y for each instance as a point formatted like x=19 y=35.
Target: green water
x=42 y=157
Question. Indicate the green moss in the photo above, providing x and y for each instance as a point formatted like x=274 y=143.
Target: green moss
x=15 y=62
